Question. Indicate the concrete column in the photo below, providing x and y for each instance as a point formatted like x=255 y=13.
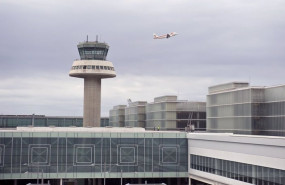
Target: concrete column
x=178 y=181
x=254 y=174
x=92 y=102
x=99 y=181
x=169 y=181
x=60 y=182
x=89 y=181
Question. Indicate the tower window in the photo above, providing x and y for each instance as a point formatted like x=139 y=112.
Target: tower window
x=105 y=67
x=98 y=52
x=101 y=67
x=97 y=67
x=88 y=52
x=93 y=67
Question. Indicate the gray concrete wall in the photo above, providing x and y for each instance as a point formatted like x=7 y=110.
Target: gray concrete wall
x=92 y=102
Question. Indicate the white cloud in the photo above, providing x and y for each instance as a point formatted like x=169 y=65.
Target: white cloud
x=219 y=41
x=63 y=95
x=145 y=88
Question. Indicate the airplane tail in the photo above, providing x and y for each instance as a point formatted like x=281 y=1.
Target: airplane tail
x=155 y=36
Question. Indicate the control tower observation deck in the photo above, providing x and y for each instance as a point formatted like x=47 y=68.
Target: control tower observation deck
x=92 y=66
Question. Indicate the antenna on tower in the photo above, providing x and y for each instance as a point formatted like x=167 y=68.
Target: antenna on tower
x=96 y=38
x=87 y=38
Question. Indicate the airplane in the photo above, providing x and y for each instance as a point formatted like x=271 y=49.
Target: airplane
x=166 y=36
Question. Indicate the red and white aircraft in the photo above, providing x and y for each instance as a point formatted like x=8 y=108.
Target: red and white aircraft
x=166 y=36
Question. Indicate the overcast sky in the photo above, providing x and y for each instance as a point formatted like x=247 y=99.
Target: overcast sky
x=219 y=41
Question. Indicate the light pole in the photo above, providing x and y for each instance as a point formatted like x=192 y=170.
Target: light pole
x=121 y=177
x=136 y=175
x=42 y=176
x=121 y=174
x=105 y=173
x=38 y=171
x=38 y=175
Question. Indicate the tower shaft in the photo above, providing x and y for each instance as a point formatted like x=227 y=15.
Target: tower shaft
x=92 y=102
x=92 y=66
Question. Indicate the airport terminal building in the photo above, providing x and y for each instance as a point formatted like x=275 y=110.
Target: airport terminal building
x=120 y=155
x=97 y=156
x=92 y=156
x=13 y=121
x=59 y=151
x=239 y=108
x=225 y=158
x=165 y=113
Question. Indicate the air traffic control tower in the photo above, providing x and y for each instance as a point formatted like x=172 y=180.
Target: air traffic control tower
x=92 y=66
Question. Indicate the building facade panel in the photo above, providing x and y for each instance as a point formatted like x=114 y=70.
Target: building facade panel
x=247 y=110
x=135 y=115
x=247 y=173
x=236 y=159
x=13 y=121
x=167 y=112
x=117 y=116
x=81 y=153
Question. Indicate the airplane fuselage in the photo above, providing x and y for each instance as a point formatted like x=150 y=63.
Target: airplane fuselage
x=167 y=36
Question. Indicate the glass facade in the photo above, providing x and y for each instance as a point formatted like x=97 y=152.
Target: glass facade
x=92 y=155
x=117 y=116
x=272 y=111
x=93 y=50
x=12 y=121
x=250 y=110
x=92 y=67
x=135 y=115
x=248 y=173
x=229 y=111
x=186 y=118
x=161 y=114
x=167 y=112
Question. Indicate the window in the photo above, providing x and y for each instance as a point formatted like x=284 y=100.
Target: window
x=88 y=52
x=238 y=171
x=101 y=67
x=97 y=67
x=99 y=52
x=105 y=67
